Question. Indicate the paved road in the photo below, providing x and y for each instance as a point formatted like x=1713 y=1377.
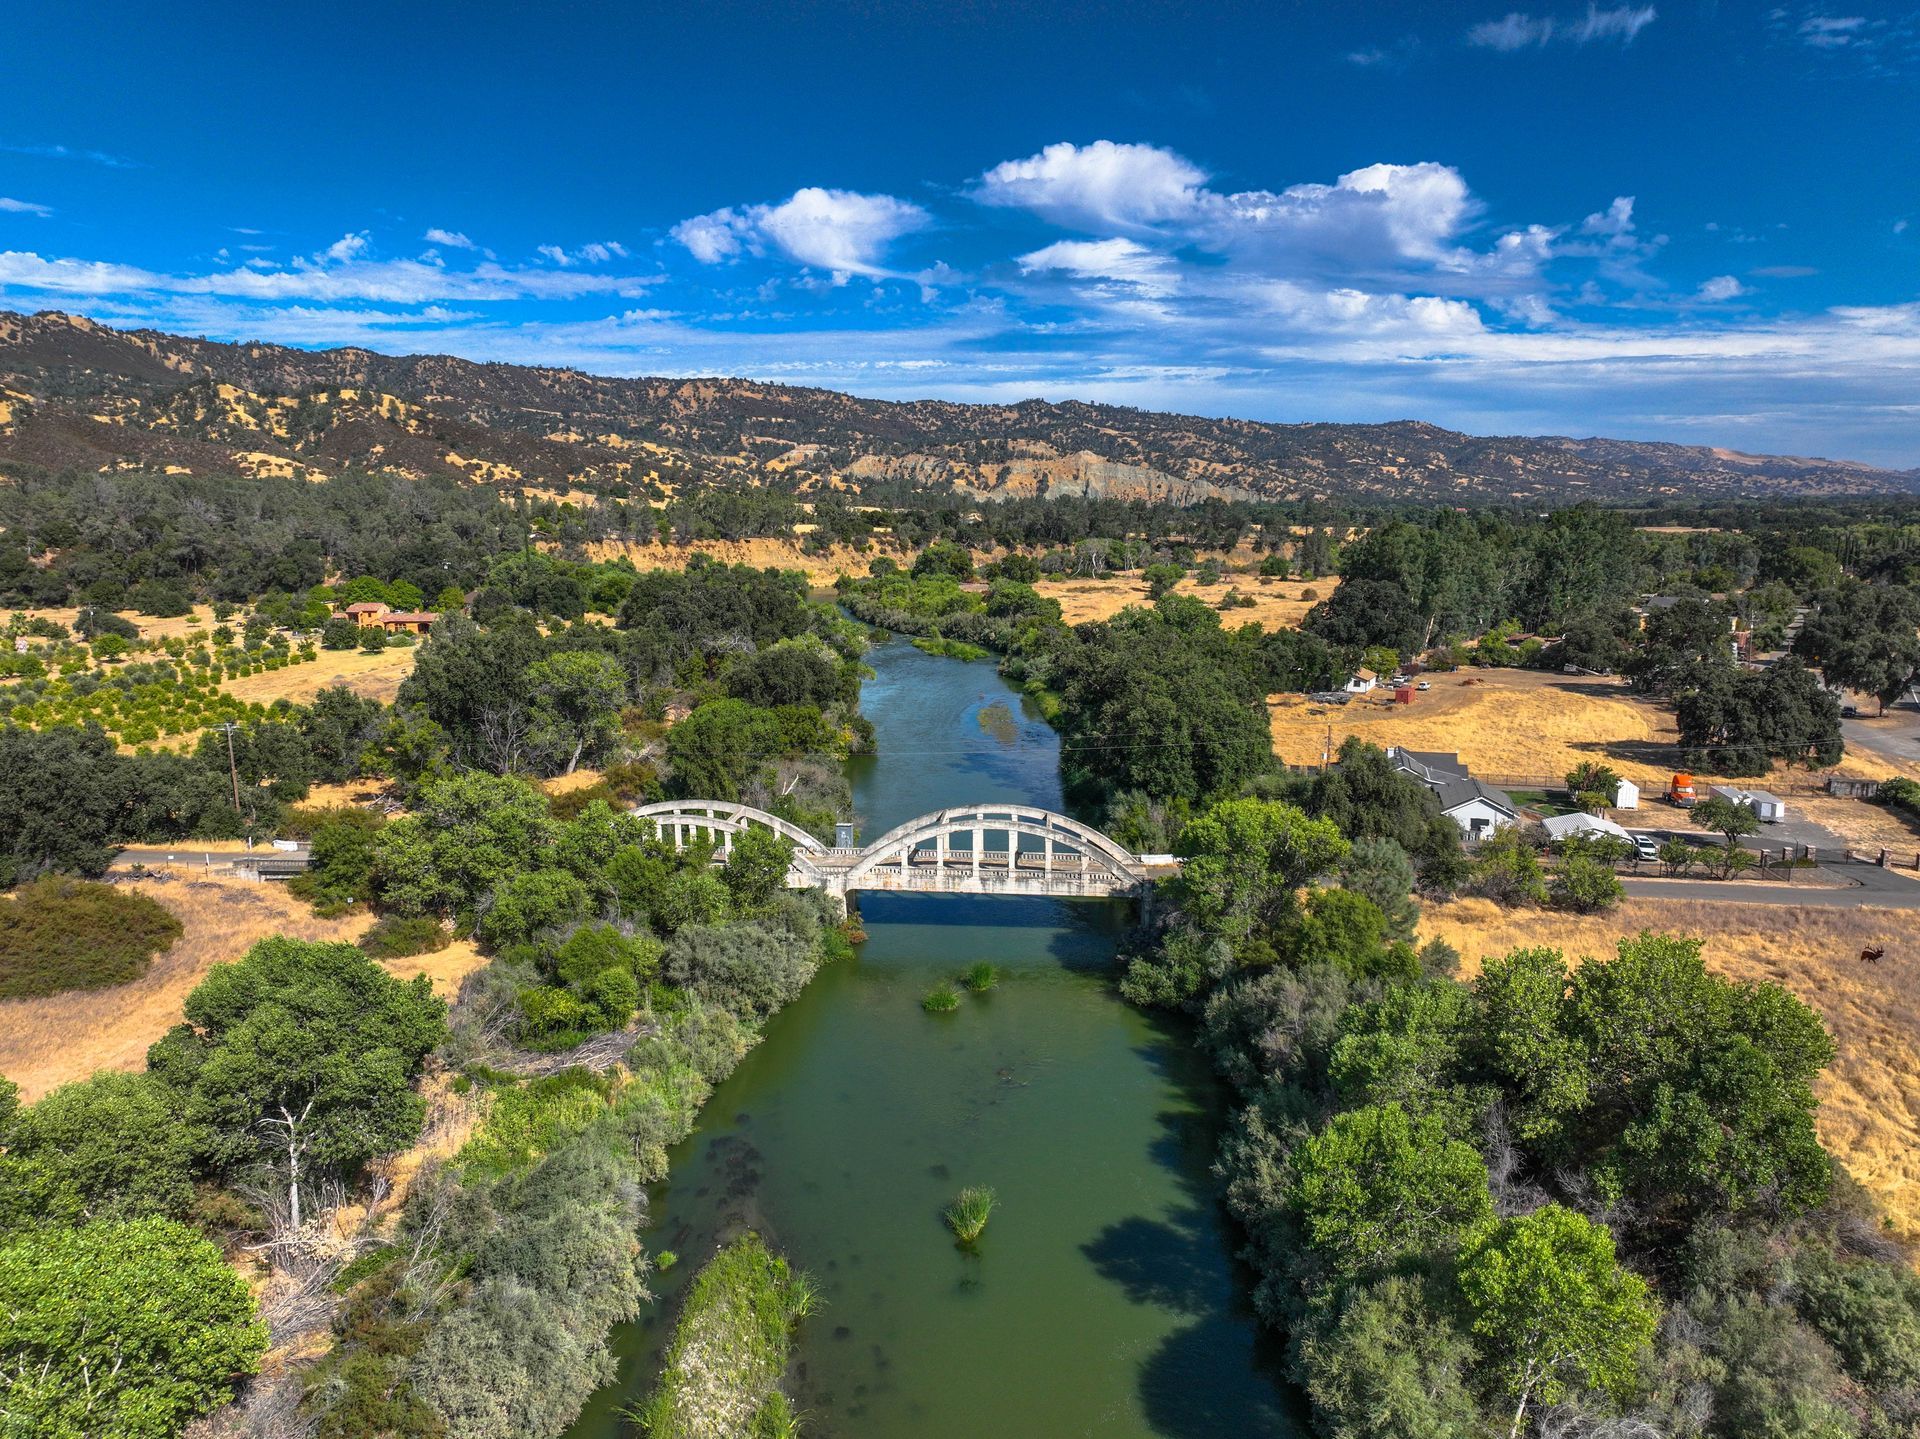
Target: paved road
x=186 y=854
x=1859 y=886
x=1895 y=736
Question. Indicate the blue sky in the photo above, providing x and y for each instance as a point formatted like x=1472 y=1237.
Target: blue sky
x=1674 y=220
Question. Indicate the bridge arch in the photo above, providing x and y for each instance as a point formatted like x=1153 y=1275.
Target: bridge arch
x=677 y=818
x=898 y=845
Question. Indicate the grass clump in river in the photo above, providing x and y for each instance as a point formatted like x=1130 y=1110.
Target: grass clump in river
x=968 y=1214
x=952 y=649
x=721 y=1373
x=941 y=999
x=980 y=977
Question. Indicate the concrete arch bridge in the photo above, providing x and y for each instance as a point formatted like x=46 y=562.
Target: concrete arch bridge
x=969 y=849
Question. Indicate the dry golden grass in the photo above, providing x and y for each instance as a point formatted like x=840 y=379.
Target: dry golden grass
x=201 y=621
x=1870 y=1097
x=376 y=676
x=1277 y=604
x=49 y=1042
x=1865 y=827
x=1522 y=722
x=1512 y=722
x=820 y=570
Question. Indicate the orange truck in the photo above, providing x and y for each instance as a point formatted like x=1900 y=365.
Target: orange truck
x=1681 y=792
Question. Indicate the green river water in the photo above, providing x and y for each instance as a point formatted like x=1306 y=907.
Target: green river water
x=1103 y=1298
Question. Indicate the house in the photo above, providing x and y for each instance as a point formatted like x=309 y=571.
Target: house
x=1562 y=826
x=1362 y=682
x=369 y=615
x=1479 y=809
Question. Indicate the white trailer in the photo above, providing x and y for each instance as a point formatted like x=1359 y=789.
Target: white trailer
x=1767 y=808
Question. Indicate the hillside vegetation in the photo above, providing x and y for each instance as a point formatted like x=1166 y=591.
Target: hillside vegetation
x=79 y=394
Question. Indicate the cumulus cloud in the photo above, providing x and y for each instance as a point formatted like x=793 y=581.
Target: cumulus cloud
x=1520 y=31
x=1102 y=186
x=1721 y=287
x=347 y=247
x=24 y=207
x=842 y=232
x=448 y=239
x=1377 y=214
x=1119 y=261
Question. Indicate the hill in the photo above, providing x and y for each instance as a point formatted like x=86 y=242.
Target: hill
x=74 y=393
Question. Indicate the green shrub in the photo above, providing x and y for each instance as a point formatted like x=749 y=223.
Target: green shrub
x=743 y=1305
x=397 y=936
x=980 y=977
x=63 y=934
x=968 y=1214
x=941 y=999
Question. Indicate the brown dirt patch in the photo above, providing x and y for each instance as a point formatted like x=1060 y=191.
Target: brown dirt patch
x=1870 y=1096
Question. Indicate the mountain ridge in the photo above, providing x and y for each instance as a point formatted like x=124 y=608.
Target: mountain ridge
x=74 y=392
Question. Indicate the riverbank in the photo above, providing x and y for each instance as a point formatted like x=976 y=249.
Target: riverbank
x=1105 y=1298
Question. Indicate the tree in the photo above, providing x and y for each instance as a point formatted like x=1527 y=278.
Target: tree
x=1865 y=637
x=1739 y=722
x=467 y=833
x=756 y=870
x=1585 y=885
x=1375 y=1184
x=1594 y=786
x=1732 y=820
x=1380 y=870
x=1387 y=1362
x=127 y=1330
x=1522 y=1037
x=575 y=714
x=62 y=794
x=1554 y=1309
x=303 y=1055
x=1367 y=798
x=719 y=748
x=341 y=632
x=116 y=1146
x=1245 y=859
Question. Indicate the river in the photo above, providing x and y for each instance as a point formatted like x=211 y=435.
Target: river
x=1103 y=1298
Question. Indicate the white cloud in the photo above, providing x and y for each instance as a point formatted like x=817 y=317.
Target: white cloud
x=1377 y=214
x=597 y=252
x=347 y=247
x=1828 y=32
x=1102 y=186
x=448 y=239
x=1520 y=31
x=1613 y=222
x=1721 y=287
x=1118 y=260
x=67 y=152
x=403 y=282
x=24 y=207
x=840 y=231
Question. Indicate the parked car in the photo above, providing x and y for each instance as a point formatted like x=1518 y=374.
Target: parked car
x=1646 y=846
x=1424 y=685
x=1849 y=711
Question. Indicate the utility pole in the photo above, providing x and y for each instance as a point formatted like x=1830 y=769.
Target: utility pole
x=233 y=769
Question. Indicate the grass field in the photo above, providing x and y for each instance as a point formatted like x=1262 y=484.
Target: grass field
x=47 y=1042
x=1870 y=1097
x=1277 y=604
x=376 y=676
x=1519 y=722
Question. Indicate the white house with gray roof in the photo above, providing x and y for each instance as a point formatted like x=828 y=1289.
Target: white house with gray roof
x=1479 y=809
